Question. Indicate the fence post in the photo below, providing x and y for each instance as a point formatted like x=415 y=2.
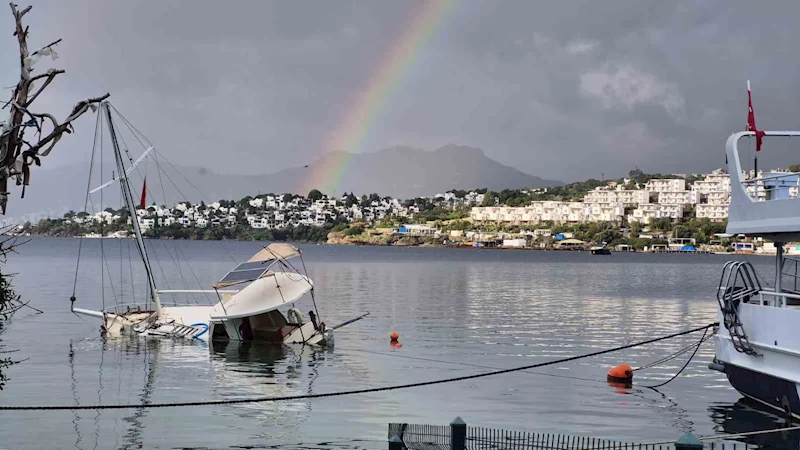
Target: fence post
x=688 y=442
x=458 y=434
x=395 y=443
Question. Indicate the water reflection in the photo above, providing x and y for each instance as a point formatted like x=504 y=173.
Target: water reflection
x=745 y=416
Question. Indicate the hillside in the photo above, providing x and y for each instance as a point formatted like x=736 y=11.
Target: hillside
x=399 y=172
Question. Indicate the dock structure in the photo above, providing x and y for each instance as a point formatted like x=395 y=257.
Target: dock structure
x=459 y=436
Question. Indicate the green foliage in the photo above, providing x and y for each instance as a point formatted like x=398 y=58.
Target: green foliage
x=354 y=231
x=489 y=199
x=339 y=227
x=794 y=168
x=439 y=213
x=314 y=195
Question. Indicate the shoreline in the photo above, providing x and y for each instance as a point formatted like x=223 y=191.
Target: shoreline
x=400 y=243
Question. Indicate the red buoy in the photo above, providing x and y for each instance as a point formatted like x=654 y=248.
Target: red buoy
x=621 y=374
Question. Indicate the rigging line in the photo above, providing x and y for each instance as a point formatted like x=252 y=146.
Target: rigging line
x=177 y=263
x=237 y=401
x=180 y=272
x=130 y=265
x=161 y=171
x=110 y=280
x=705 y=332
x=189 y=266
x=86 y=202
x=158 y=262
x=674 y=355
x=134 y=131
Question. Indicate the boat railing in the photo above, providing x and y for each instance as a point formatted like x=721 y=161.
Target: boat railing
x=139 y=307
x=778 y=299
x=784 y=185
x=790 y=274
x=758 y=205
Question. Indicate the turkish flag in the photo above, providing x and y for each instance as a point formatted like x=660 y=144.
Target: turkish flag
x=751 y=120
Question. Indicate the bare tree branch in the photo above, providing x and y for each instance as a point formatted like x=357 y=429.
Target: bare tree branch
x=51 y=75
x=16 y=153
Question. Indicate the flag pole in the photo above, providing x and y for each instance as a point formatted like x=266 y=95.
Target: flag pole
x=755 y=158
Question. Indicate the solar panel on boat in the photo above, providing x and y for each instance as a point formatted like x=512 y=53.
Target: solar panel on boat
x=250 y=265
x=242 y=275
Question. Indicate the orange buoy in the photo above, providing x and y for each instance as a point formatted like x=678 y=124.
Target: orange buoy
x=620 y=374
x=394 y=336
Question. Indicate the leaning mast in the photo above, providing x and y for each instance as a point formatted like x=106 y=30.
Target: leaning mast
x=128 y=196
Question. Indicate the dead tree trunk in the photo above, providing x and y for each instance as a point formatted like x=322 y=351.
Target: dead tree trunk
x=16 y=153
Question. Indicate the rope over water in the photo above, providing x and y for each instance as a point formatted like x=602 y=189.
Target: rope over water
x=352 y=392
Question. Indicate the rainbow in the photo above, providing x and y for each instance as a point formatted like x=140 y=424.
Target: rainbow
x=349 y=136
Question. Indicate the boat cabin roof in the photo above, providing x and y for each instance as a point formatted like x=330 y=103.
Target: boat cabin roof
x=258 y=265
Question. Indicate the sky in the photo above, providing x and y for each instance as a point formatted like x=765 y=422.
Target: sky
x=564 y=90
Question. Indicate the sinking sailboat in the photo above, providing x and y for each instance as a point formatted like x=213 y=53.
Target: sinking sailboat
x=250 y=296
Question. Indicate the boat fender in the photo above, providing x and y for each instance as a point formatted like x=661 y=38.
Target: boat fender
x=295 y=316
x=719 y=367
x=620 y=374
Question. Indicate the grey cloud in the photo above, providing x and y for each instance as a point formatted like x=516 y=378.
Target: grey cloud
x=563 y=90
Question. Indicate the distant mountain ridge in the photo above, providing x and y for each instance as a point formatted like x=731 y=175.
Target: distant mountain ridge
x=399 y=172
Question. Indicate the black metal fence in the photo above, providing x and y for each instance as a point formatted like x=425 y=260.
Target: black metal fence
x=459 y=436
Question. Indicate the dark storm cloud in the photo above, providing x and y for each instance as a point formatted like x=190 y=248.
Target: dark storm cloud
x=564 y=90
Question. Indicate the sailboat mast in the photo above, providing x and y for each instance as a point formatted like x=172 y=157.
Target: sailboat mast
x=128 y=196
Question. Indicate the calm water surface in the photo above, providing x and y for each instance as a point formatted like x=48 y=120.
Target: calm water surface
x=454 y=310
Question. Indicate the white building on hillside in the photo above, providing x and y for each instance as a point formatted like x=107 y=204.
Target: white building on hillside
x=675 y=197
x=649 y=211
x=607 y=194
x=665 y=185
x=715 y=212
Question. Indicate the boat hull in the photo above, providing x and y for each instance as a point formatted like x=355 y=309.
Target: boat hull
x=194 y=322
x=776 y=393
x=771 y=377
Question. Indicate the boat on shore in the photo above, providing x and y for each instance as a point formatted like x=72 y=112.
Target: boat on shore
x=601 y=249
x=757 y=345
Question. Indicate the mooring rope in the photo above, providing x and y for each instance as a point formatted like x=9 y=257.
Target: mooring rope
x=352 y=392
x=702 y=339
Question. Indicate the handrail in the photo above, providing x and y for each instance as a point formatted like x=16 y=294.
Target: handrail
x=770 y=177
x=780 y=294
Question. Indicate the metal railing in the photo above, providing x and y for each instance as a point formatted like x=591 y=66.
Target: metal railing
x=458 y=436
x=773 y=187
x=791 y=274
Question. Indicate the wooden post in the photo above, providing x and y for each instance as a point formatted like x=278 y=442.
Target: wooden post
x=395 y=443
x=458 y=434
x=688 y=442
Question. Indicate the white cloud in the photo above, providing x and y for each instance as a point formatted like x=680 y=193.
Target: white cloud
x=580 y=46
x=628 y=87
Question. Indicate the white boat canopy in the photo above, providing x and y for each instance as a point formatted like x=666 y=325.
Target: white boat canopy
x=276 y=251
x=268 y=293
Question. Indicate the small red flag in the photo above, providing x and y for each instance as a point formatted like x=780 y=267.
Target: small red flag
x=144 y=194
x=751 y=119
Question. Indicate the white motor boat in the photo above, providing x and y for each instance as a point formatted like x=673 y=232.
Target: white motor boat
x=757 y=344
